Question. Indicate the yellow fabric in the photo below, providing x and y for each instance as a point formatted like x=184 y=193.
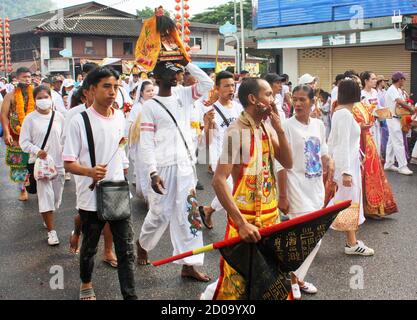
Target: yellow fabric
x=256 y=195
x=148 y=46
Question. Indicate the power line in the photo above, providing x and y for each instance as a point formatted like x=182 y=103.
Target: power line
x=79 y=17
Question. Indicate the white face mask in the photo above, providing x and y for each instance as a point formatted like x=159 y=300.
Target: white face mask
x=44 y=104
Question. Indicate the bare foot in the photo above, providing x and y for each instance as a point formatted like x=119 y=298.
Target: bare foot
x=24 y=196
x=74 y=243
x=110 y=259
x=191 y=272
x=142 y=255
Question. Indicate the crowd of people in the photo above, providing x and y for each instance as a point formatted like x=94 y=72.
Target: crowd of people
x=276 y=152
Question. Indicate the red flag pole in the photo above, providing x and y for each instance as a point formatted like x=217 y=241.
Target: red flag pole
x=264 y=233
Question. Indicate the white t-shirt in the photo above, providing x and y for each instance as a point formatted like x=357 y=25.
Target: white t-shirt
x=285 y=90
x=335 y=94
x=393 y=93
x=231 y=114
x=33 y=133
x=107 y=133
x=371 y=97
x=305 y=179
x=68 y=118
x=122 y=97
x=58 y=102
x=381 y=97
x=279 y=101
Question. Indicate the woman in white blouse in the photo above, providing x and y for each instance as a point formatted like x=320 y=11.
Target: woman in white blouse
x=144 y=93
x=301 y=189
x=344 y=148
x=33 y=134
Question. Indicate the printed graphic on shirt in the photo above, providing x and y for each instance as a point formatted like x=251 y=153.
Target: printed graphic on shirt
x=230 y=121
x=312 y=158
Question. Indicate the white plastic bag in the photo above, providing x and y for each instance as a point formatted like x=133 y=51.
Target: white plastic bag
x=45 y=169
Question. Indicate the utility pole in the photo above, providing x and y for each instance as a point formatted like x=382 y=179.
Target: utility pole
x=242 y=30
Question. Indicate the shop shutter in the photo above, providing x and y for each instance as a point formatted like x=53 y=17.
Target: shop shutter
x=383 y=60
x=317 y=63
x=326 y=63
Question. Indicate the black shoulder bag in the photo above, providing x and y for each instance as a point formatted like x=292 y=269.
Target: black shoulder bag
x=113 y=197
x=181 y=134
x=222 y=115
x=32 y=187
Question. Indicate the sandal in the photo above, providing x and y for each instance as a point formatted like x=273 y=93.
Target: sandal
x=87 y=294
x=111 y=263
x=203 y=218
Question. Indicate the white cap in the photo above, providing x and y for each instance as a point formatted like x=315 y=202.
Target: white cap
x=306 y=79
x=68 y=83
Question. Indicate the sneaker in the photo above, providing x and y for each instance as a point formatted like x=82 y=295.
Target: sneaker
x=296 y=292
x=413 y=161
x=309 y=288
x=391 y=168
x=68 y=176
x=360 y=249
x=295 y=288
x=53 y=238
x=405 y=171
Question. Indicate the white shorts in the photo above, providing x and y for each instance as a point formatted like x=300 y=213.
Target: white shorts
x=50 y=193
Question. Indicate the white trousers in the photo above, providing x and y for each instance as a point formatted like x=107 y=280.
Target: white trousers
x=141 y=177
x=172 y=209
x=303 y=269
x=215 y=204
x=50 y=193
x=301 y=272
x=395 y=147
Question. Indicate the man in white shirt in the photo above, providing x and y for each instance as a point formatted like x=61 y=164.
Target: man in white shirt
x=169 y=162
x=108 y=127
x=395 y=148
x=58 y=103
x=276 y=83
x=216 y=121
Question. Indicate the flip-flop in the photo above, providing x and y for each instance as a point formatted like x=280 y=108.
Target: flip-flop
x=203 y=217
x=87 y=294
x=111 y=263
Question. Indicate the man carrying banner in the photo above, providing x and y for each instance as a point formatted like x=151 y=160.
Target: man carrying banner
x=249 y=148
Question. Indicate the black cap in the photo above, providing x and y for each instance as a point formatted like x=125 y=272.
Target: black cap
x=165 y=67
x=273 y=77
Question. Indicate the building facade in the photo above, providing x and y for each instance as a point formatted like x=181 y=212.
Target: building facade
x=327 y=37
x=62 y=41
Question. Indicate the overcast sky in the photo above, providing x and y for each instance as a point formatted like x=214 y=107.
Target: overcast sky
x=196 y=6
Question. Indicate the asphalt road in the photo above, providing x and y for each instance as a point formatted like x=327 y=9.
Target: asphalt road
x=26 y=261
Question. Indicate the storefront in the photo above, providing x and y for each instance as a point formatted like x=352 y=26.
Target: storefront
x=325 y=63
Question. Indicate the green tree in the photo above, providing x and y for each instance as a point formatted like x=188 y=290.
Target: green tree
x=23 y=8
x=147 y=12
x=221 y=14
